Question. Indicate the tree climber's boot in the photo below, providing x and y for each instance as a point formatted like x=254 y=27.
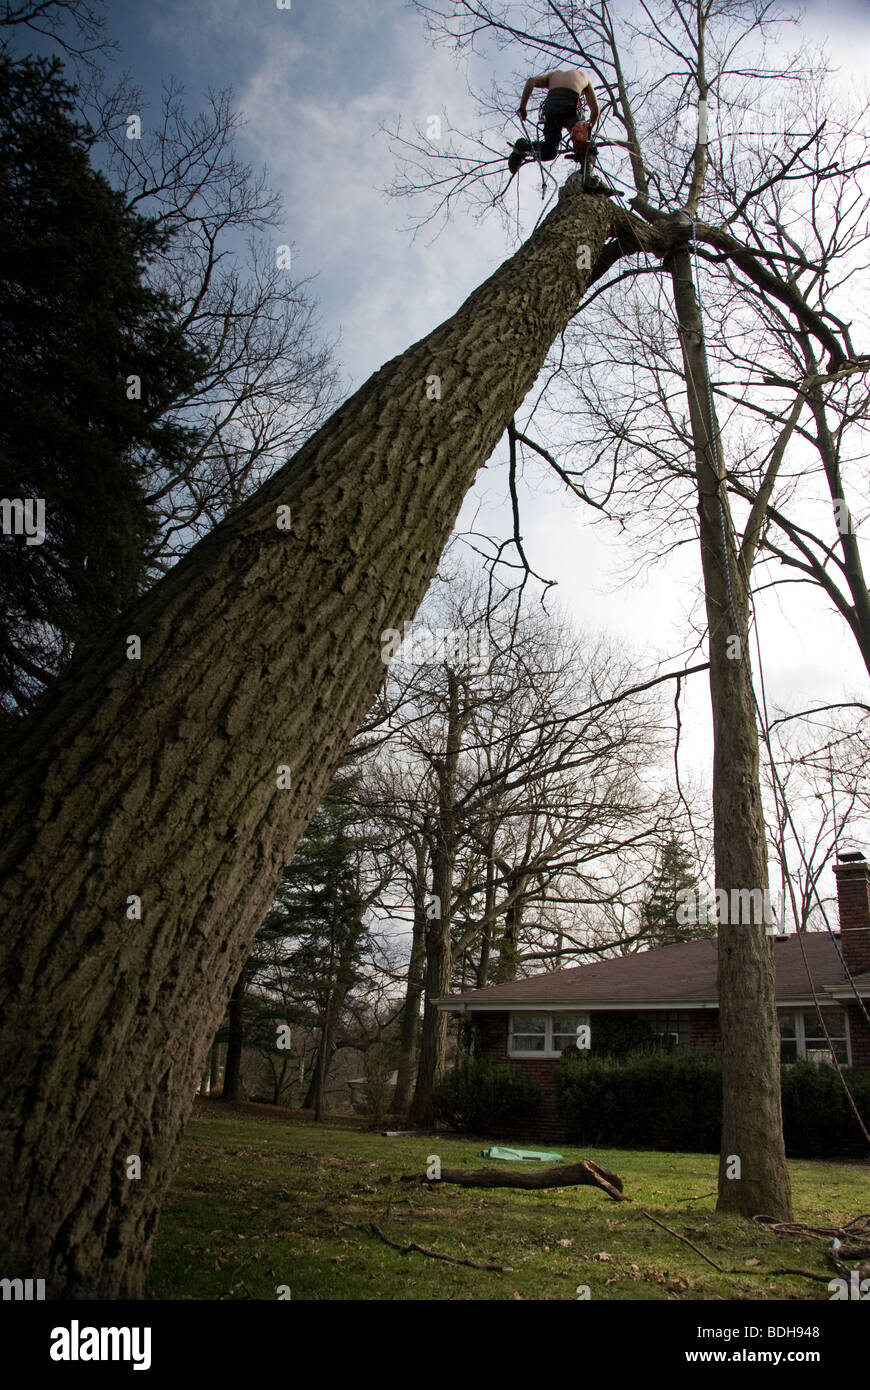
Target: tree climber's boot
x=521 y=151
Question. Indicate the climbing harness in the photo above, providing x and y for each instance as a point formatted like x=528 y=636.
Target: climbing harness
x=533 y=149
x=579 y=147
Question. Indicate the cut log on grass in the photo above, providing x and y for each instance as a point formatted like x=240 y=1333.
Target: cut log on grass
x=582 y=1174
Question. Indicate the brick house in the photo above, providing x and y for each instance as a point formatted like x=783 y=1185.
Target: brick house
x=672 y=991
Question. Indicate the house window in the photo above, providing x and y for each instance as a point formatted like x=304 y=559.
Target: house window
x=671 y=1026
x=801 y=1036
x=543 y=1035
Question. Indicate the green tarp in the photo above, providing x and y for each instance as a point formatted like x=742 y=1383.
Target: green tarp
x=514 y=1155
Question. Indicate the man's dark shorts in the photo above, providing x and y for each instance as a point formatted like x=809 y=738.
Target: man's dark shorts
x=560 y=113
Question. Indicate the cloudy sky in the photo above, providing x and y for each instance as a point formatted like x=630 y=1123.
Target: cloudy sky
x=316 y=82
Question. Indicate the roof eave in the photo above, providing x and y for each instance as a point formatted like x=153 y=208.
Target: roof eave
x=448 y=1004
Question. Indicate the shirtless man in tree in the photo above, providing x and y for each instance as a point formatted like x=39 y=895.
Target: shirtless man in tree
x=566 y=89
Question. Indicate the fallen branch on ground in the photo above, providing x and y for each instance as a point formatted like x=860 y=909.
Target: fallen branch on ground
x=858 y=1226
x=804 y=1273
x=582 y=1174
x=437 y=1255
x=686 y=1241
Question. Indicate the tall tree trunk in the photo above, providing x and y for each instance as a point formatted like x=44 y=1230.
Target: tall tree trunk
x=278 y=1078
x=319 y=1077
x=235 y=1038
x=155 y=798
x=214 y=1066
x=439 y=960
x=509 y=946
x=753 y=1176
x=311 y=1093
x=322 y=1068
x=410 y=1026
x=439 y=947
x=488 y=911
x=858 y=616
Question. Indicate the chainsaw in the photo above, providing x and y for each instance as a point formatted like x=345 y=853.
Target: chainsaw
x=585 y=150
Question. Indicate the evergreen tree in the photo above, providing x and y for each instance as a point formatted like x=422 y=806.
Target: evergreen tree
x=675 y=874
x=92 y=359
x=317 y=925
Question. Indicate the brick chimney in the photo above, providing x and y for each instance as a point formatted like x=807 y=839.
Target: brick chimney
x=852 y=873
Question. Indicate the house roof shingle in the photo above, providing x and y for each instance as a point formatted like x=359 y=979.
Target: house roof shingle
x=684 y=974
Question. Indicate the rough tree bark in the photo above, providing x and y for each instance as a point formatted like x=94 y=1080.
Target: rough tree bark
x=147 y=821
x=758 y=1181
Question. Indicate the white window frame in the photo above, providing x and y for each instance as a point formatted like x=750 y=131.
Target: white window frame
x=800 y=1037
x=548 y=1051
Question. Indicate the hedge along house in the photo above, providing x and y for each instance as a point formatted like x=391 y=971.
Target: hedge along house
x=670 y=993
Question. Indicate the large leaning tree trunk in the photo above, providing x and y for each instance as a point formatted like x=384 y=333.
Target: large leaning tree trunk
x=154 y=799
x=753 y=1175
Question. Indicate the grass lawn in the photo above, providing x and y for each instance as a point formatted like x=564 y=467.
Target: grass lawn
x=261 y=1201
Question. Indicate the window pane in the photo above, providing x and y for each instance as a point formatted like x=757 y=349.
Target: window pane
x=528 y=1023
x=669 y=1026
x=788 y=1052
x=567 y=1023
x=527 y=1042
x=821 y=1055
x=786 y=1025
x=674 y=1021
x=835 y=1022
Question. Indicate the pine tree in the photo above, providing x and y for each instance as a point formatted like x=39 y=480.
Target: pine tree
x=91 y=359
x=317 y=923
x=675 y=874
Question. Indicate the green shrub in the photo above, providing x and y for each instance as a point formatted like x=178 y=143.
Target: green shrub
x=483 y=1096
x=658 y=1100
x=616 y=1035
x=674 y=1102
x=817 y=1119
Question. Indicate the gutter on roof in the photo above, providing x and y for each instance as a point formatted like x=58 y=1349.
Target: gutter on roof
x=573 y=1004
